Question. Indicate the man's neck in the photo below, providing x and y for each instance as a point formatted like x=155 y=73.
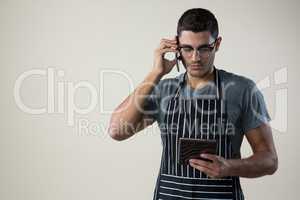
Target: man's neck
x=199 y=82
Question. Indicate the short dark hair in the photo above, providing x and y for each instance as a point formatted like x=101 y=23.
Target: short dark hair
x=198 y=20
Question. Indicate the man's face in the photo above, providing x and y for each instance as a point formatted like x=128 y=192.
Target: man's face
x=198 y=63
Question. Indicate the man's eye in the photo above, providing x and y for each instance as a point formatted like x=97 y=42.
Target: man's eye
x=204 y=50
x=187 y=49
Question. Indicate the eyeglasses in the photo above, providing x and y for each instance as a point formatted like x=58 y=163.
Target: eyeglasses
x=203 y=51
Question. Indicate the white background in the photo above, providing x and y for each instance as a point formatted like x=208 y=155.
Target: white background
x=43 y=158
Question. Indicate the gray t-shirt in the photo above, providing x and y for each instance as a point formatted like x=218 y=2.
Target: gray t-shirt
x=246 y=107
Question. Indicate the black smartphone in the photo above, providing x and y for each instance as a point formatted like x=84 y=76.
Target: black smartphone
x=192 y=148
x=177 y=55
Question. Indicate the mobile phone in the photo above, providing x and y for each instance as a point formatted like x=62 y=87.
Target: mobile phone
x=192 y=148
x=177 y=55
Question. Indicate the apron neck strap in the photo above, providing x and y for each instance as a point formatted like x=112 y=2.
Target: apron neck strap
x=217 y=81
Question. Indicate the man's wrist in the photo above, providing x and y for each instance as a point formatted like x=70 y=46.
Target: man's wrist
x=231 y=167
x=157 y=73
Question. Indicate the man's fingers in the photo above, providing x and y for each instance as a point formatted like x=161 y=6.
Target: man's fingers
x=210 y=157
x=163 y=51
x=209 y=172
x=169 y=40
x=203 y=169
x=167 y=44
x=201 y=163
x=164 y=46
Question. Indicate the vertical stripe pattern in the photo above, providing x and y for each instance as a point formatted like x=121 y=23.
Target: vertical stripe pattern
x=199 y=119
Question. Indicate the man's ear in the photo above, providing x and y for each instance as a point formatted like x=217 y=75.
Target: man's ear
x=218 y=43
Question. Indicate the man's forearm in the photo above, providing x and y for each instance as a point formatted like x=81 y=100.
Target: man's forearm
x=259 y=164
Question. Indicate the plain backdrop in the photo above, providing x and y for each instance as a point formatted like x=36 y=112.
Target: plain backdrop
x=109 y=45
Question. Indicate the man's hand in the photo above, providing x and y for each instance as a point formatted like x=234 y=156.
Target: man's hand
x=161 y=65
x=264 y=160
x=219 y=167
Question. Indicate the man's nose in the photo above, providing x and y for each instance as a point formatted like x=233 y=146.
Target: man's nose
x=195 y=56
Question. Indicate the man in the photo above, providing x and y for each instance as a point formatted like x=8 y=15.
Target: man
x=203 y=103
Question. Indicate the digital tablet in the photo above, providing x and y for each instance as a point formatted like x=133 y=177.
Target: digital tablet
x=192 y=148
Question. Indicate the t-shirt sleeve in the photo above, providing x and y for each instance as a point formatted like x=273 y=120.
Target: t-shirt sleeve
x=254 y=110
x=151 y=106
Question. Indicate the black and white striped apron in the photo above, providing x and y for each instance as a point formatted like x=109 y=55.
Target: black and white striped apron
x=201 y=118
